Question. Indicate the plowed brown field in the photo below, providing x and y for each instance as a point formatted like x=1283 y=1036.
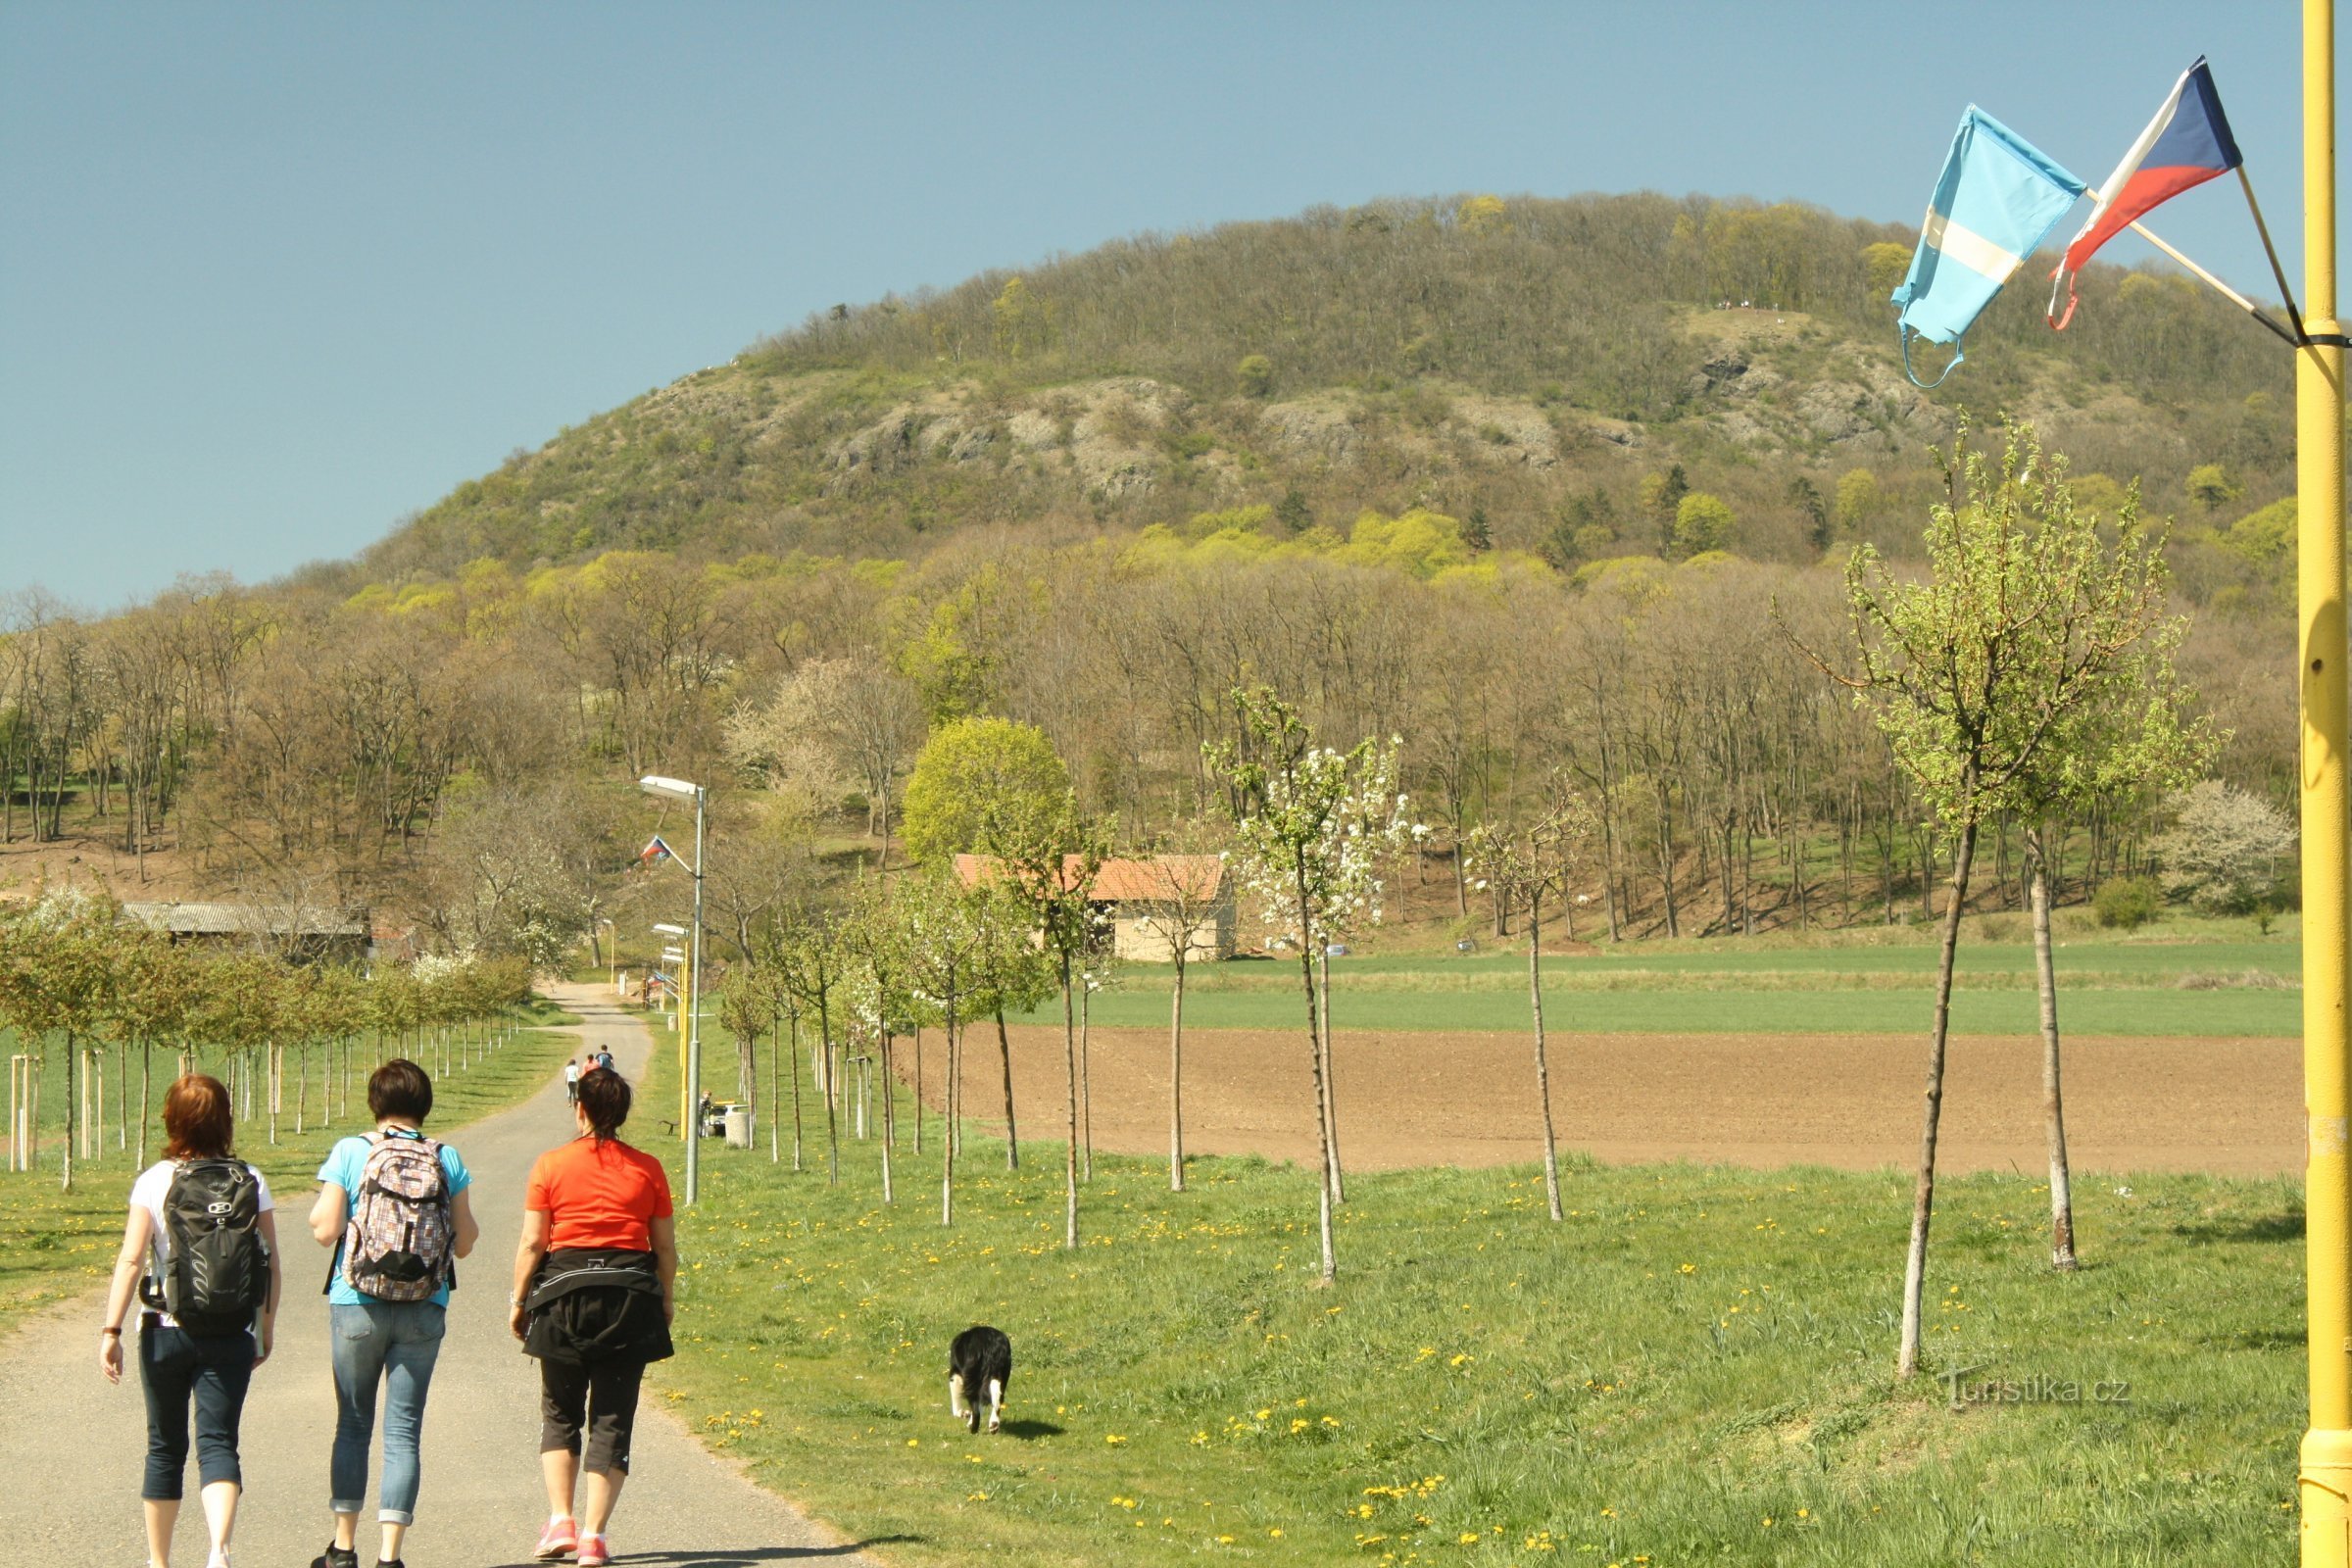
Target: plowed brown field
x=2219 y=1106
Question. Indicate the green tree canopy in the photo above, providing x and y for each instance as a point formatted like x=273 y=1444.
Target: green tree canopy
x=971 y=770
x=1702 y=522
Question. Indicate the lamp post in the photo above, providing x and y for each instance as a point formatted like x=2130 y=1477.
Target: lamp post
x=678 y=788
x=612 y=948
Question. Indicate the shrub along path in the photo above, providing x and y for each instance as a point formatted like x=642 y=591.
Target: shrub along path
x=70 y=1445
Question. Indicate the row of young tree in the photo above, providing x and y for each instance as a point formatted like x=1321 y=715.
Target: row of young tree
x=962 y=941
x=2030 y=672
x=91 y=997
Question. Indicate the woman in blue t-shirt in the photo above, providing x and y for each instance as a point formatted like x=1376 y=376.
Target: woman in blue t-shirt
x=375 y=1341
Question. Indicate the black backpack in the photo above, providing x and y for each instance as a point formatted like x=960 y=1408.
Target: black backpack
x=219 y=1272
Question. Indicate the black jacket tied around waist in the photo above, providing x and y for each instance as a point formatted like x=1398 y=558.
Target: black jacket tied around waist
x=592 y=1304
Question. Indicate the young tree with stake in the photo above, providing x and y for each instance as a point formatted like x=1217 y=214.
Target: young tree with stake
x=1307 y=848
x=1971 y=674
x=945 y=931
x=2116 y=732
x=1186 y=894
x=1524 y=869
x=1048 y=857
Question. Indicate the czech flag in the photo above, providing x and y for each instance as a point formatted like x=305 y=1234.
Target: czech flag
x=654 y=852
x=1999 y=197
x=2187 y=144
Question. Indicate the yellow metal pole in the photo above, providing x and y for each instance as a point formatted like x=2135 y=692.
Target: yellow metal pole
x=2326 y=1482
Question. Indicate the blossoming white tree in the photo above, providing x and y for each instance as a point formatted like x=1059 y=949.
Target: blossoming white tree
x=1311 y=826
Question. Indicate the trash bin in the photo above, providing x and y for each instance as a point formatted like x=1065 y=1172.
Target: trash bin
x=739 y=1126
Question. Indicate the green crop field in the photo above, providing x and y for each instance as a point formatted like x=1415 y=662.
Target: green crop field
x=1695 y=1367
x=55 y=1244
x=2111 y=987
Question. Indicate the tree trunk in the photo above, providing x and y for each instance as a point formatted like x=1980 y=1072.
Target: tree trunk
x=146 y=1096
x=1086 y=1079
x=947 y=1131
x=1069 y=1157
x=917 y=1107
x=1176 y=1083
x=65 y=1148
x=1331 y=1085
x=2053 y=1111
x=1674 y=924
x=796 y=1092
x=1923 y=1197
x=1535 y=997
x=1012 y=1136
x=824 y=1035
x=1314 y=1040
x=775 y=1101
x=889 y=1129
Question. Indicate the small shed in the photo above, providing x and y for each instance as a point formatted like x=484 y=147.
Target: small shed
x=1147 y=901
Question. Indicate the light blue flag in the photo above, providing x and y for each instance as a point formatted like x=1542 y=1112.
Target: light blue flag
x=1999 y=197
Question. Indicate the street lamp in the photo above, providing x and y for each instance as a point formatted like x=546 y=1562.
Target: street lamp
x=613 y=952
x=678 y=788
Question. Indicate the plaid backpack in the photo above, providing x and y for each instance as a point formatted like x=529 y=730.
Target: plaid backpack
x=397 y=1245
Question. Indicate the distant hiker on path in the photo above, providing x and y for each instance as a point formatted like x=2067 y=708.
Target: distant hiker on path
x=603 y=1060
x=595 y=1291
x=202 y=1232
x=395 y=1208
x=571 y=1081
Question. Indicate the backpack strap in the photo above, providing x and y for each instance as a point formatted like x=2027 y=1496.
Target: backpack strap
x=351 y=1208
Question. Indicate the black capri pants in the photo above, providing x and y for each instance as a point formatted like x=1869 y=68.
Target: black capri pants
x=599 y=1398
x=179 y=1370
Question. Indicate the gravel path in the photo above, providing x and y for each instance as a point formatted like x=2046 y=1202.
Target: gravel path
x=70 y=1445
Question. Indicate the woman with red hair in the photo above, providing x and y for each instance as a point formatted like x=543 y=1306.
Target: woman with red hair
x=200 y=1249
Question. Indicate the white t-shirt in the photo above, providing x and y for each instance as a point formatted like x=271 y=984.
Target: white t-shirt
x=571 y=1072
x=148 y=1192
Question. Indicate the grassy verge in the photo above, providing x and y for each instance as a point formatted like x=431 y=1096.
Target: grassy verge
x=55 y=1244
x=1693 y=1367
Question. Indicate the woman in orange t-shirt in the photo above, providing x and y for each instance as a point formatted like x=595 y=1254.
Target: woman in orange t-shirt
x=595 y=1291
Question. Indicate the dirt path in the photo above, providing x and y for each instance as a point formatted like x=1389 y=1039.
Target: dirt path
x=70 y=1445
x=2226 y=1107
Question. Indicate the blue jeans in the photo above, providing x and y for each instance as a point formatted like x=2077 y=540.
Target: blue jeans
x=397 y=1343
x=177 y=1370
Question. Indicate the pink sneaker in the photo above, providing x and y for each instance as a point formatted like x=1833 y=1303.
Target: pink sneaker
x=594 y=1553
x=558 y=1540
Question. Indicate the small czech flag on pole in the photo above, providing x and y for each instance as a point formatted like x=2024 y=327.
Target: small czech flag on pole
x=2187 y=144
x=655 y=851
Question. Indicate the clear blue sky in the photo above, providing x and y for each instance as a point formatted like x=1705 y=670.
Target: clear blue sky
x=272 y=276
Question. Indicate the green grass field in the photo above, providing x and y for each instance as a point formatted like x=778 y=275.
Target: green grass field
x=55 y=1245
x=2110 y=987
x=1695 y=1367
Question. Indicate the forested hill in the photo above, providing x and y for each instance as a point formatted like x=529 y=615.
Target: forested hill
x=1524 y=363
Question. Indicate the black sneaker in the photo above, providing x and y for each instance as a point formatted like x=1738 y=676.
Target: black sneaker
x=337 y=1557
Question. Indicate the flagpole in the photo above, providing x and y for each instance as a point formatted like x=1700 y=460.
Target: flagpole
x=2286 y=295
x=2325 y=1480
x=2225 y=290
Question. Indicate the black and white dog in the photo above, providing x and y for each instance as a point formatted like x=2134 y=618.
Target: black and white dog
x=979 y=1366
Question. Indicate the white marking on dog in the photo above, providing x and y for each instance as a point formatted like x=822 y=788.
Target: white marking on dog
x=955 y=1395
x=996 y=1404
